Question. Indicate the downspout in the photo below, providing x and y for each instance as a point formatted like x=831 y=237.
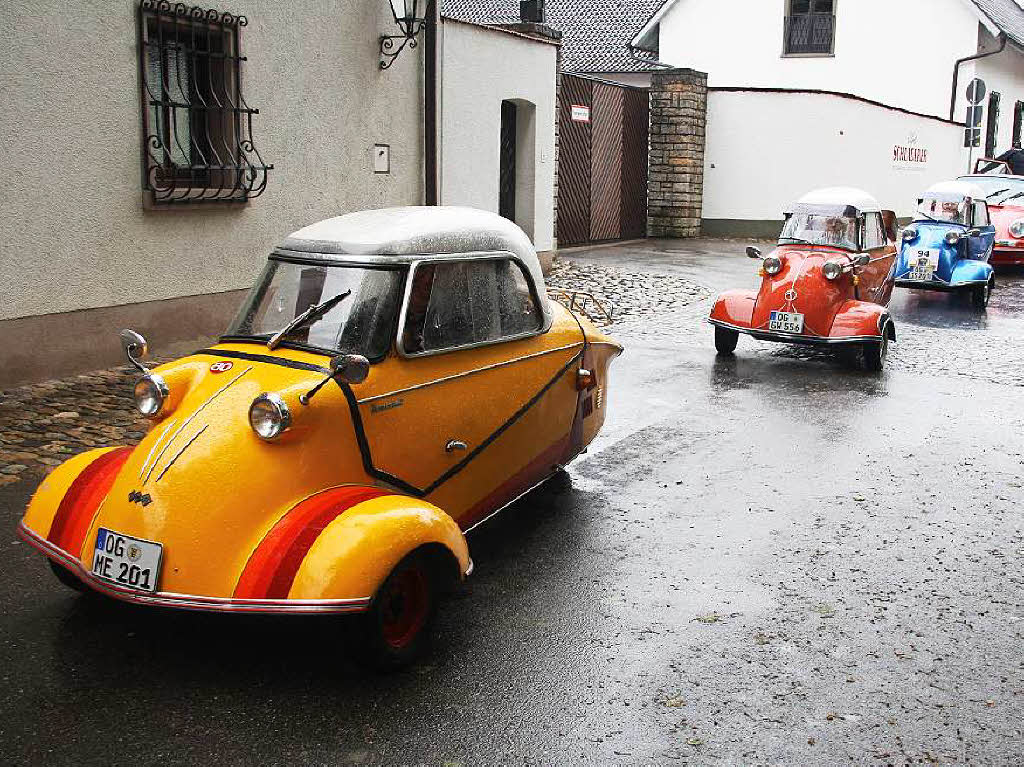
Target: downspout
x=430 y=105
x=956 y=71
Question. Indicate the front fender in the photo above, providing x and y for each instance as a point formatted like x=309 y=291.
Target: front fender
x=968 y=271
x=861 y=320
x=734 y=307
x=63 y=506
x=342 y=543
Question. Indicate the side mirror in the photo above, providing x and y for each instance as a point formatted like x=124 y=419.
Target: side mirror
x=862 y=260
x=350 y=368
x=135 y=348
x=753 y=252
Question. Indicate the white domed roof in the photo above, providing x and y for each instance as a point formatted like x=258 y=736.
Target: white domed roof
x=842 y=195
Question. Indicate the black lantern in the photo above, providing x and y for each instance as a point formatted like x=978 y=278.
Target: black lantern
x=411 y=17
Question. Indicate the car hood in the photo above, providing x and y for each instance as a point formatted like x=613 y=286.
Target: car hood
x=801 y=287
x=203 y=484
x=1003 y=217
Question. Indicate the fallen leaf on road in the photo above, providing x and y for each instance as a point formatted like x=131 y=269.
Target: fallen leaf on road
x=676 y=702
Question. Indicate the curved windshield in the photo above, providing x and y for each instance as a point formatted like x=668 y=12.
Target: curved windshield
x=821 y=225
x=948 y=210
x=360 y=323
x=1000 y=190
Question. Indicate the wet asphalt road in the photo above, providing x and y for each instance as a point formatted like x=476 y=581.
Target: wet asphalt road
x=763 y=560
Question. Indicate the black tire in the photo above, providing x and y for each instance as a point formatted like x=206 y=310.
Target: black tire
x=875 y=353
x=395 y=631
x=849 y=355
x=980 y=294
x=68 y=578
x=726 y=340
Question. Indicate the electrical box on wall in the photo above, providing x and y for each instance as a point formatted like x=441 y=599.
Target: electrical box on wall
x=381 y=158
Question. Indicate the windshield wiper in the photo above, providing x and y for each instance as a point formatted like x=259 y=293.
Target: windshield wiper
x=314 y=312
x=1012 y=197
x=797 y=239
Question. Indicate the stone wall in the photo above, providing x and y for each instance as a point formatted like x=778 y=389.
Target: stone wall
x=679 y=99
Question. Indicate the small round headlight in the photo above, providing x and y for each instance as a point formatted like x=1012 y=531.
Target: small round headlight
x=269 y=416
x=910 y=233
x=1017 y=229
x=832 y=270
x=150 y=394
x=773 y=265
x=953 y=237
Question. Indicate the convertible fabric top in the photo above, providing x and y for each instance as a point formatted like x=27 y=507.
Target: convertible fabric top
x=955 y=190
x=404 y=235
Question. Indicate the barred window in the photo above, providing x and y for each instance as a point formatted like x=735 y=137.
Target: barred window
x=197 y=126
x=810 y=27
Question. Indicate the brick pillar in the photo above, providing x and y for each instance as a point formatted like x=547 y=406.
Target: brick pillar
x=679 y=103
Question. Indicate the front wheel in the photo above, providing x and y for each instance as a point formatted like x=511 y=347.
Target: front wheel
x=980 y=295
x=875 y=353
x=726 y=340
x=395 y=628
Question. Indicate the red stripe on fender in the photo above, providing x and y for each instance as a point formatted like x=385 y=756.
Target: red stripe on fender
x=271 y=569
x=79 y=504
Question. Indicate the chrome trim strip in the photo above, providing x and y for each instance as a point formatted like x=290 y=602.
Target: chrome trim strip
x=190 y=601
x=156 y=444
x=465 y=373
x=189 y=420
x=773 y=335
x=501 y=508
x=178 y=454
x=469 y=570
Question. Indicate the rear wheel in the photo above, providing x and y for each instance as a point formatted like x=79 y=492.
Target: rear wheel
x=726 y=340
x=876 y=352
x=980 y=294
x=66 y=577
x=395 y=628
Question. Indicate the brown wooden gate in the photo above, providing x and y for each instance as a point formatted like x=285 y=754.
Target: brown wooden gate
x=602 y=161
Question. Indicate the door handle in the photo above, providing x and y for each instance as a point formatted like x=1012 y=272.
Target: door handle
x=454 y=444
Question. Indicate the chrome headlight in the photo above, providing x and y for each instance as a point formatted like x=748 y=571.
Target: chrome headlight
x=953 y=237
x=910 y=233
x=269 y=416
x=150 y=394
x=772 y=265
x=832 y=270
x=1017 y=229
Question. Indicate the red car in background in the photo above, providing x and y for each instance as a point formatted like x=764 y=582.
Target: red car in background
x=1005 y=193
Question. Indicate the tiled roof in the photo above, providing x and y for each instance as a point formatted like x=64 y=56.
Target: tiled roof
x=1007 y=15
x=595 y=34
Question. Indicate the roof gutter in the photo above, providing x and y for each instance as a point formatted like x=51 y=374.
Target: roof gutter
x=959 y=62
x=636 y=56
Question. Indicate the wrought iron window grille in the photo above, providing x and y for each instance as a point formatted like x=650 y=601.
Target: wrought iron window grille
x=197 y=127
x=810 y=33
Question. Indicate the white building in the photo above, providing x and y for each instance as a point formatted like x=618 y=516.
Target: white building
x=143 y=188
x=806 y=93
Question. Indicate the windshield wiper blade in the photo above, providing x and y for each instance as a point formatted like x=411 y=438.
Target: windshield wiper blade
x=797 y=239
x=1012 y=197
x=313 y=312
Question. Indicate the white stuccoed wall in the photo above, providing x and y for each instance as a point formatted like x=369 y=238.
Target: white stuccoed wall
x=765 y=150
x=480 y=68
x=899 y=52
x=74 y=234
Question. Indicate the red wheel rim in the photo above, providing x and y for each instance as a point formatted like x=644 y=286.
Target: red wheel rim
x=403 y=606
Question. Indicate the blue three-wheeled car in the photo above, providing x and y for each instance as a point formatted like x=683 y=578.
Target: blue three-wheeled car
x=949 y=244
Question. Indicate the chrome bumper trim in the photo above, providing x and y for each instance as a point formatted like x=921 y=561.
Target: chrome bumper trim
x=191 y=601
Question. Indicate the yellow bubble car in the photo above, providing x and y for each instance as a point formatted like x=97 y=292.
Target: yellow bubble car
x=394 y=378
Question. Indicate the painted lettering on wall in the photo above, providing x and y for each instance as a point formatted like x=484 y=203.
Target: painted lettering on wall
x=909 y=154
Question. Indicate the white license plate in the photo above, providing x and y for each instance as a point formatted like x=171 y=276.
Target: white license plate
x=126 y=561
x=923 y=263
x=786 y=322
